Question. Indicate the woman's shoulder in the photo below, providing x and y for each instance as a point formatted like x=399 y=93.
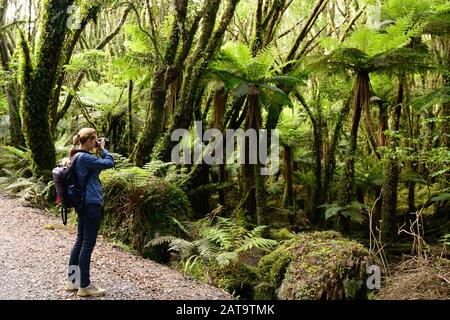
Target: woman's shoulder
x=84 y=156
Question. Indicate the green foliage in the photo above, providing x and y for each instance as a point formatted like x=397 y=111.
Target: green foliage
x=216 y=240
x=169 y=171
x=446 y=239
x=353 y=211
x=15 y=161
x=136 y=59
x=246 y=75
x=99 y=95
x=87 y=60
x=441 y=197
x=16 y=177
x=140 y=207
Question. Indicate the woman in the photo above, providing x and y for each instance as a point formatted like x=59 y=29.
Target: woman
x=87 y=169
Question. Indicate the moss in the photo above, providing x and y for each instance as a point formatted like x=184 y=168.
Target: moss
x=236 y=278
x=139 y=208
x=38 y=80
x=319 y=265
x=280 y=234
x=271 y=271
x=325 y=266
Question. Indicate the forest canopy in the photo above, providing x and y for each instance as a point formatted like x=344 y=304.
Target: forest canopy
x=356 y=94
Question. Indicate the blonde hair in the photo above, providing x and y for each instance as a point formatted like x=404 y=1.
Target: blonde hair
x=82 y=137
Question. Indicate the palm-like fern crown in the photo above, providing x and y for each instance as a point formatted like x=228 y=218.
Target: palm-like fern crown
x=236 y=62
x=245 y=74
x=375 y=50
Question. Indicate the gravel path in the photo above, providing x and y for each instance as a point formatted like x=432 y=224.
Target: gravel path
x=34 y=252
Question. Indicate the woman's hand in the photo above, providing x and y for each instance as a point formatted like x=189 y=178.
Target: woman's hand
x=100 y=146
x=102 y=143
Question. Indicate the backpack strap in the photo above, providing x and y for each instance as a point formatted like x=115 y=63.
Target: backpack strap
x=64 y=211
x=86 y=178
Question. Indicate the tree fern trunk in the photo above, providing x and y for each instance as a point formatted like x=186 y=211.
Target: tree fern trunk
x=390 y=183
x=288 y=197
x=361 y=97
x=130 y=116
x=330 y=161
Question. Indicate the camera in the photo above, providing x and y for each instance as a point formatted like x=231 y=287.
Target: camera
x=99 y=141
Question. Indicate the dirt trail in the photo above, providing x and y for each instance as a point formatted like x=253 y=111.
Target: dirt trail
x=34 y=257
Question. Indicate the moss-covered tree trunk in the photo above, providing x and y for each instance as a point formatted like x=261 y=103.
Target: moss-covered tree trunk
x=330 y=160
x=247 y=172
x=317 y=197
x=130 y=116
x=155 y=112
x=288 y=194
x=317 y=130
x=208 y=43
x=361 y=97
x=38 y=79
x=391 y=174
x=90 y=12
x=446 y=105
x=10 y=87
x=383 y=126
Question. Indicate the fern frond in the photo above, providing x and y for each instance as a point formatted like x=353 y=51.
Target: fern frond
x=250 y=242
x=161 y=240
x=225 y=258
x=183 y=247
x=220 y=236
x=206 y=248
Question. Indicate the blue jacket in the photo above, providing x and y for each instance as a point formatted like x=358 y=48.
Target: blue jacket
x=88 y=162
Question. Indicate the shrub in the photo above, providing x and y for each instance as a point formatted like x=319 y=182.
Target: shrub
x=139 y=208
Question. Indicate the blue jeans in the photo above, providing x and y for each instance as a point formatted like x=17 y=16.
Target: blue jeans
x=88 y=226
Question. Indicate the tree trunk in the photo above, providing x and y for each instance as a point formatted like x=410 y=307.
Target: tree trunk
x=68 y=101
x=69 y=49
x=288 y=194
x=361 y=97
x=11 y=89
x=38 y=81
x=130 y=116
x=155 y=112
x=330 y=161
x=248 y=170
x=207 y=46
x=390 y=183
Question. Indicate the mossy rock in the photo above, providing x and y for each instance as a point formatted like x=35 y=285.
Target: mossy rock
x=236 y=278
x=139 y=208
x=271 y=271
x=312 y=266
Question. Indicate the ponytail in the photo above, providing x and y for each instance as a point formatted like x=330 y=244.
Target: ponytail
x=84 y=135
x=76 y=142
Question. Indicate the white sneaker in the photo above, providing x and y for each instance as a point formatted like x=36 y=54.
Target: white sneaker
x=91 y=291
x=70 y=286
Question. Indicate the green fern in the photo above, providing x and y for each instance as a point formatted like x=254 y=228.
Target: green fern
x=215 y=239
x=246 y=75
